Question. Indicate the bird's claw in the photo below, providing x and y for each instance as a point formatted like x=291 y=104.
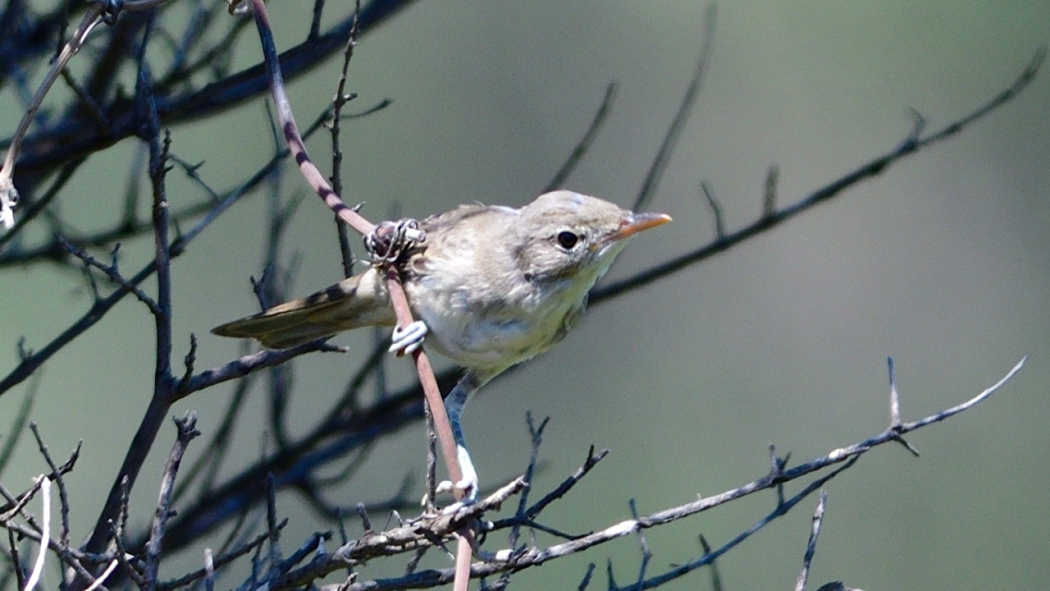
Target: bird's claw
x=408 y=339
x=388 y=240
x=470 y=494
x=468 y=483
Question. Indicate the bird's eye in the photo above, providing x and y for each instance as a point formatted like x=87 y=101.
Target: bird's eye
x=567 y=239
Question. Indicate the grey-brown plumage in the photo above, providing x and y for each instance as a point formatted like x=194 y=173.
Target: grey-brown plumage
x=493 y=285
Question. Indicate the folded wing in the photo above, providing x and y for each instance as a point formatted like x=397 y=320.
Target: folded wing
x=361 y=300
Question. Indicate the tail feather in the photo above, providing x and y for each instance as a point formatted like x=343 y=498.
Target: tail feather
x=359 y=301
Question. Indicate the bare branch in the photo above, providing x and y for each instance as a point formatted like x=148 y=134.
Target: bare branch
x=187 y=431
x=670 y=141
x=578 y=152
x=45 y=533
x=811 y=546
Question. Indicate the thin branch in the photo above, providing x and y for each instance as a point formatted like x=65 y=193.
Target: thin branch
x=340 y=100
x=716 y=577
x=63 y=494
x=45 y=532
x=716 y=209
x=187 y=432
x=291 y=131
x=251 y=363
x=781 y=509
x=674 y=132
x=218 y=563
x=105 y=575
x=15 y=503
x=111 y=272
x=404 y=538
x=580 y=150
x=8 y=193
x=769 y=199
x=811 y=546
x=895 y=405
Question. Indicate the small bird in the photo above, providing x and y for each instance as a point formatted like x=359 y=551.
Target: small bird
x=492 y=286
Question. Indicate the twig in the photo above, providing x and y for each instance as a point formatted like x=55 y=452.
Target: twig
x=45 y=532
x=218 y=563
x=536 y=436
x=251 y=363
x=780 y=510
x=111 y=272
x=340 y=100
x=105 y=575
x=15 y=503
x=811 y=546
x=291 y=131
x=716 y=577
x=716 y=209
x=408 y=537
x=63 y=496
x=8 y=193
x=187 y=431
x=663 y=155
x=769 y=199
x=895 y=409
x=643 y=546
x=580 y=150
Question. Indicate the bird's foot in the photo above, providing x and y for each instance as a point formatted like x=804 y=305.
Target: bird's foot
x=8 y=202
x=389 y=239
x=408 y=339
x=468 y=484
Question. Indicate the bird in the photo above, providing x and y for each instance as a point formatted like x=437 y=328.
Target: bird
x=490 y=287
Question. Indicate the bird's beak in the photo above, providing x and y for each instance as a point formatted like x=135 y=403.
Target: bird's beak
x=636 y=222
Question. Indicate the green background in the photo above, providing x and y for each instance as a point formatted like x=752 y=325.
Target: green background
x=941 y=262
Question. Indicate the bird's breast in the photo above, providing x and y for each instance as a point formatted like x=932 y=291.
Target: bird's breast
x=490 y=328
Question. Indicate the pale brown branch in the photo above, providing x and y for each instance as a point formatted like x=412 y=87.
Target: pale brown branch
x=291 y=131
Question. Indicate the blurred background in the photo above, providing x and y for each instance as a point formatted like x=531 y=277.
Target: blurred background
x=941 y=263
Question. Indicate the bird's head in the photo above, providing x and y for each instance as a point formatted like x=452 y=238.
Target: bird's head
x=573 y=238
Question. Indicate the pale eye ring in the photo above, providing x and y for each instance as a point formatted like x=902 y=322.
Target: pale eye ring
x=567 y=239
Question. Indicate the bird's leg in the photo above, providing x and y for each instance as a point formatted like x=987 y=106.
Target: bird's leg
x=385 y=245
x=454 y=403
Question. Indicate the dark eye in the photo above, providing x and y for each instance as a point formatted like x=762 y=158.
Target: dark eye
x=567 y=239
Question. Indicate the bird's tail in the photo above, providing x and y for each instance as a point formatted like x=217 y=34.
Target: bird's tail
x=361 y=300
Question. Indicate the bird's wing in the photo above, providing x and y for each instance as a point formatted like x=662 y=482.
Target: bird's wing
x=361 y=300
